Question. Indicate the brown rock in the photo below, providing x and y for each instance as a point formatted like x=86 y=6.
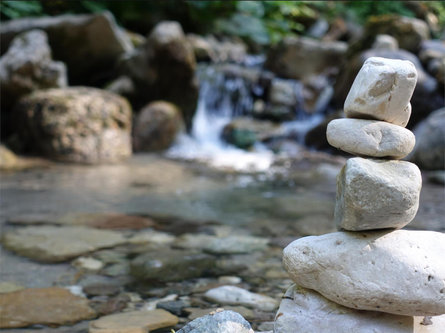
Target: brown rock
x=133 y=322
x=45 y=306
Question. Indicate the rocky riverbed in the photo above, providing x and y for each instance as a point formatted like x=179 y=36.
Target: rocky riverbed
x=173 y=239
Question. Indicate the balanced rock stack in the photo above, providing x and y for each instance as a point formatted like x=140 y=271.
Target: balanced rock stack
x=361 y=279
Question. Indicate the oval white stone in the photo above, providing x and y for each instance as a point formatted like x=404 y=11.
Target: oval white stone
x=382 y=90
x=370 y=138
x=399 y=272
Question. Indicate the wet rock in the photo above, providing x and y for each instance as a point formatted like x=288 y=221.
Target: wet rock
x=175 y=307
x=382 y=90
x=80 y=125
x=370 y=138
x=432 y=55
x=218 y=322
x=164 y=69
x=156 y=126
x=430 y=146
x=298 y=58
x=45 y=306
x=105 y=305
x=425 y=99
x=409 y=32
x=303 y=310
x=8 y=160
x=55 y=244
x=375 y=194
x=107 y=220
x=75 y=38
x=28 y=66
x=133 y=322
x=8 y=287
x=152 y=237
x=385 y=42
x=172 y=265
x=88 y=264
x=101 y=289
x=232 y=295
x=244 y=132
x=366 y=271
x=222 y=245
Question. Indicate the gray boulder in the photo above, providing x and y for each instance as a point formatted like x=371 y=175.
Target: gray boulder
x=78 y=124
x=164 y=69
x=218 y=322
x=429 y=151
x=88 y=44
x=298 y=58
x=28 y=66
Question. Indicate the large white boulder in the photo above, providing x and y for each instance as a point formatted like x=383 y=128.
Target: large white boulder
x=382 y=90
x=306 y=311
x=376 y=194
x=370 y=138
x=399 y=272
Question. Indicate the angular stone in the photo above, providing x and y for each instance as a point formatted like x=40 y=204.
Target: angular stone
x=133 y=322
x=376 y=194
x=370 y=138
x=232 y=295
x=399 y=272
x=55 y=244
x=305 y=311
x=44 y=306
x=382 y=90
x=218 y=322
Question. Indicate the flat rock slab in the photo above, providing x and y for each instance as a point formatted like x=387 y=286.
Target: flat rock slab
x=382 y=90
x=133 y=322
x=370 y=138
x=305 y=311
x=232 y=244
x=44 y=306
x=232 y=295
x=56 y=244
x=399 y=272
x=377 y=194
x=218 y=322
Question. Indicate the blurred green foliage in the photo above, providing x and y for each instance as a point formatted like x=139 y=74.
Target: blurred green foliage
x=260 y=22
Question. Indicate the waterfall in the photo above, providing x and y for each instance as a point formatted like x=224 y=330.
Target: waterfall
x=228 y=91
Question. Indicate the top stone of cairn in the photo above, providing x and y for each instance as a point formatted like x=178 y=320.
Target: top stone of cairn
x=382 y=90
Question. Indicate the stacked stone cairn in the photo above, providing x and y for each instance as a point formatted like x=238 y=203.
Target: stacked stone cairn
x=371 y=276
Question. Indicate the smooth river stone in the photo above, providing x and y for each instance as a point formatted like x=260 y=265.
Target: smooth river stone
x=370 y=138
x=306 y=311
x=382 y=90
x=377 y=194
x=400 y=272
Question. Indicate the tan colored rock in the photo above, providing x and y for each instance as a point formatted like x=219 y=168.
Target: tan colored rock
x=55 y=244
x=44 y=306
x=133 y=322
x=370 y=138
x=376 y=194
x=382 y=90
x=399 y=272
x=305 y=311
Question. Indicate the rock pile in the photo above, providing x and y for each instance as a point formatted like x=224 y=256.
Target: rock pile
x=363 y=279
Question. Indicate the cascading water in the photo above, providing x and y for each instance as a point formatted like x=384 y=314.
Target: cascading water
x=225 y=93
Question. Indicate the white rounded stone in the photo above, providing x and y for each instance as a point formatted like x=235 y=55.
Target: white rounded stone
x=377 y=194
x=306 y=311
x=382 y=90
x=370 y=138
x=399 y=272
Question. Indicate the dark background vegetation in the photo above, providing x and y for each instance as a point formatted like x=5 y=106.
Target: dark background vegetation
x=262 y=23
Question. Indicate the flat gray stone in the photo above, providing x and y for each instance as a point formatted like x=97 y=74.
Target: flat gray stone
x=399 y=272
x=218 y=322
x=55 y=244
x=382 y=90
x=376 y=194
x=370 y=138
